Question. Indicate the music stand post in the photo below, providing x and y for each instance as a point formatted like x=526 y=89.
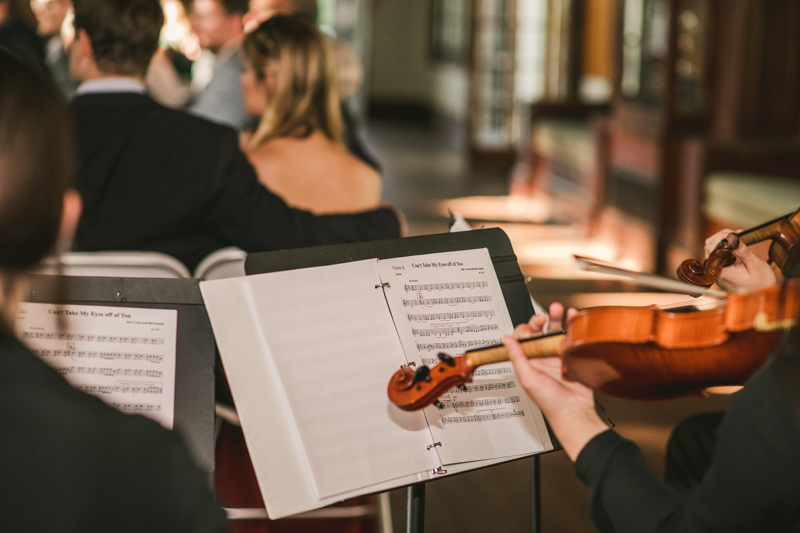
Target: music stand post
x=415 y=508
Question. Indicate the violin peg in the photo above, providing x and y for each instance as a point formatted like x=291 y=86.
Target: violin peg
x=423 y=373
x=446 y=359
x=438 y=404
x=462 y=388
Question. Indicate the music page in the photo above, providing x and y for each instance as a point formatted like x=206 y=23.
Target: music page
x=452 y=302
x=331 y=337
x=123 y=355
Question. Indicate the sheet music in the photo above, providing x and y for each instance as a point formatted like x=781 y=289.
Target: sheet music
x=452 y=302
x=123 y=355
x=331 y=337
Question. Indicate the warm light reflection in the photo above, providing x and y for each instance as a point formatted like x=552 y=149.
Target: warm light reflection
x=512 y=208
x=176 y=32
x=561 y=250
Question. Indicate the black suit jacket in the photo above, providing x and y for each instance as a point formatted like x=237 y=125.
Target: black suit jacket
x=157 y=179
x=71 y=463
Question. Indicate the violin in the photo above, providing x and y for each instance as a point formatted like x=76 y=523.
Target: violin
x=784 y=232
x=642 y=353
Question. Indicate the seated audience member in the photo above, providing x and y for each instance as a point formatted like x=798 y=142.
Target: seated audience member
x=219 y=28
x=157 y=179
x=17 y=33
x=50 y=15
x=70 y=463
x=297 y=147
x=752 y=481
x=346 y=65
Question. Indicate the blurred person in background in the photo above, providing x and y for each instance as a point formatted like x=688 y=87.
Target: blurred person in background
x=346 y=66
x=18 y=34
x=219 y=28
x=50 y=16
x=158 y=179
x=168 y=77
x=297 y=147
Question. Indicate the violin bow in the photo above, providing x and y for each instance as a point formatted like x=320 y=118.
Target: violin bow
x=646 y=280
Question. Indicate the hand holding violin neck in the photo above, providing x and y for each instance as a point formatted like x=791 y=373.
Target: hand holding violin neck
x=783 y=231
x=544 y=346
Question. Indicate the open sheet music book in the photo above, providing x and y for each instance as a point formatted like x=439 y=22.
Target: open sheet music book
x=309 y=354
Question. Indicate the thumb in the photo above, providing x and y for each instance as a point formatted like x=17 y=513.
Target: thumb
x=745 y=255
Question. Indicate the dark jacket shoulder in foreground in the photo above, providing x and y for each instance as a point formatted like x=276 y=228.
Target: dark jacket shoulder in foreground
x=70 y=463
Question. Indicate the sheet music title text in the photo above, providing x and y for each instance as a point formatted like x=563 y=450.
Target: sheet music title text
x=437 y=265
x=67 y=312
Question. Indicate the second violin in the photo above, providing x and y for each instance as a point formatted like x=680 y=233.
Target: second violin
x=635 y=352
x=784 y=232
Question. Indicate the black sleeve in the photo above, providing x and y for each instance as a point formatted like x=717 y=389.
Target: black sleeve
x=168 y=491
x=246 y=214
x=753 y=483
x=625 y=494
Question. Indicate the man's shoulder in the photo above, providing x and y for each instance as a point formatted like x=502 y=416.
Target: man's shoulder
x=146 y=109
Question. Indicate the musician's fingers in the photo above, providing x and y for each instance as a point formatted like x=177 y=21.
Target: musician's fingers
x=714 y=240
x=531 y=371
x=758 y=273
x=571 y=313
x=524 y=331
x=556 y=317
x=537 y=323
x=520 y=362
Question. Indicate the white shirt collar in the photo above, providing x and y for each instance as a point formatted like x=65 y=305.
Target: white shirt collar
x=111 y=85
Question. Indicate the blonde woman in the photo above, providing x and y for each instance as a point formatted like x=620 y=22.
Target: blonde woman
x=297 y=148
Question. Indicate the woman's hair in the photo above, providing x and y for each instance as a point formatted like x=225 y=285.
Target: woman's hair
x=305 y=96
x=36 y=167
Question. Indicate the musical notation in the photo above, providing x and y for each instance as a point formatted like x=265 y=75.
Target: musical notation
x=455 y=300
x=492 y=371
x=445 y=286
x=485 y=402
x=485 y=387
x=479 y=418
x=452 y=330
x=121 y=355
x=454 y=315
x=136 y=407
x=455 y=345
x=123 y=389
x=108 y=356
x=105 y=371
x=53 y=336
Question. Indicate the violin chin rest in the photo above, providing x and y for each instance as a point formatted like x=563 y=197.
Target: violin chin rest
x=791 y=263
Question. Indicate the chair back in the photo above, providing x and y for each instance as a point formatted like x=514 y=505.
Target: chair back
x=224 y=263
x=115 y=264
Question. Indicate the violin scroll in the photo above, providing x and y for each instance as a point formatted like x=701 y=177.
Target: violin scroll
x=412 y=390
x=705 y=274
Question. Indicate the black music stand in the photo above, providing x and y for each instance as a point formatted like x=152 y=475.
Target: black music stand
x=512 y=283
x=195 y=350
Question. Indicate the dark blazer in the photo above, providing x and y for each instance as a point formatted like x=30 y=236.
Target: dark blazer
x=157 y=179
x=71 y=463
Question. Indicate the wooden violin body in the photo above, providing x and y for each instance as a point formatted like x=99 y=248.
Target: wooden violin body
x=784 y=232
x=635 y=352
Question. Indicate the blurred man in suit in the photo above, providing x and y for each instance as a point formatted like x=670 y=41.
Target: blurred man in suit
x=153 y=178
x=219 y=28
